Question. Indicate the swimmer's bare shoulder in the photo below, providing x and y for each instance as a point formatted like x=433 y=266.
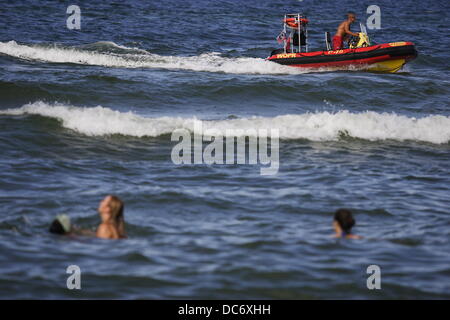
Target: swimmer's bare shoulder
x=107 y=231
x=353 y=236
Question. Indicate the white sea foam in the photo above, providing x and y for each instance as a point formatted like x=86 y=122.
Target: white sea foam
x=320 y=126
x=138 y=58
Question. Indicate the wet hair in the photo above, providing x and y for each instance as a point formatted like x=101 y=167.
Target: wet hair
x=56 y=227
x=345 y=219
x=349 y=14
x=117 y=207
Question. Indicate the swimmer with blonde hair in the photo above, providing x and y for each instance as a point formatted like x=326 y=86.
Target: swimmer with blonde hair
x=111 y=212
x=112 y=225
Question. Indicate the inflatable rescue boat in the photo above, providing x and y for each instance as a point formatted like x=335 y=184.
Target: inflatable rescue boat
x=361 y=54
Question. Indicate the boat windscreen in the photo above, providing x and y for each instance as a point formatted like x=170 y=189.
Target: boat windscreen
x=363 y=28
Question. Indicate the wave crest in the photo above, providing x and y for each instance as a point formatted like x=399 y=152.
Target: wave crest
x=320 y=126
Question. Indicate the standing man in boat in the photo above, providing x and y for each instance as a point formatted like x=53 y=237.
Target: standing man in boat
x=343 y=32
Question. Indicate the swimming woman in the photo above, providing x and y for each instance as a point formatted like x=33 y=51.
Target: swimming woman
x=111 y=213
x=112 y=224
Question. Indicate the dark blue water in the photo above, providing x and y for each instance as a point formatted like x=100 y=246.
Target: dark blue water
x=85 y=113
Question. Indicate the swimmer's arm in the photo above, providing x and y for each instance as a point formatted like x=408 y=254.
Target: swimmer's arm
x=83 y=232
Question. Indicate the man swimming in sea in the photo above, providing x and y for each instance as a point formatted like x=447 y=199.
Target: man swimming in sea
x=343 y=223
x=343 y=32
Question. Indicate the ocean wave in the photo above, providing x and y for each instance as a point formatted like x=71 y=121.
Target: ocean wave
x=97 y=54
x=319 y=126
x=109 y=46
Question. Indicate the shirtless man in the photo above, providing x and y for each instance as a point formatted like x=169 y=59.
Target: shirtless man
x=343 y=31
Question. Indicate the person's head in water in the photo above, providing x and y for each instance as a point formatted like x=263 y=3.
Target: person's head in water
x=343 y=223
x=61 y=225
x=351 y=16
x=111 y=210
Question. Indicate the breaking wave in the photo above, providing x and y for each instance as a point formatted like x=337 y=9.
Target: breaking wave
x=320 y=126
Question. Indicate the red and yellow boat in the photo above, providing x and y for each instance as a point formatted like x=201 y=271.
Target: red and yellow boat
x=386 y=57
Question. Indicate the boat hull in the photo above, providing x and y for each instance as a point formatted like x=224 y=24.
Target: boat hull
x=388 y=57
